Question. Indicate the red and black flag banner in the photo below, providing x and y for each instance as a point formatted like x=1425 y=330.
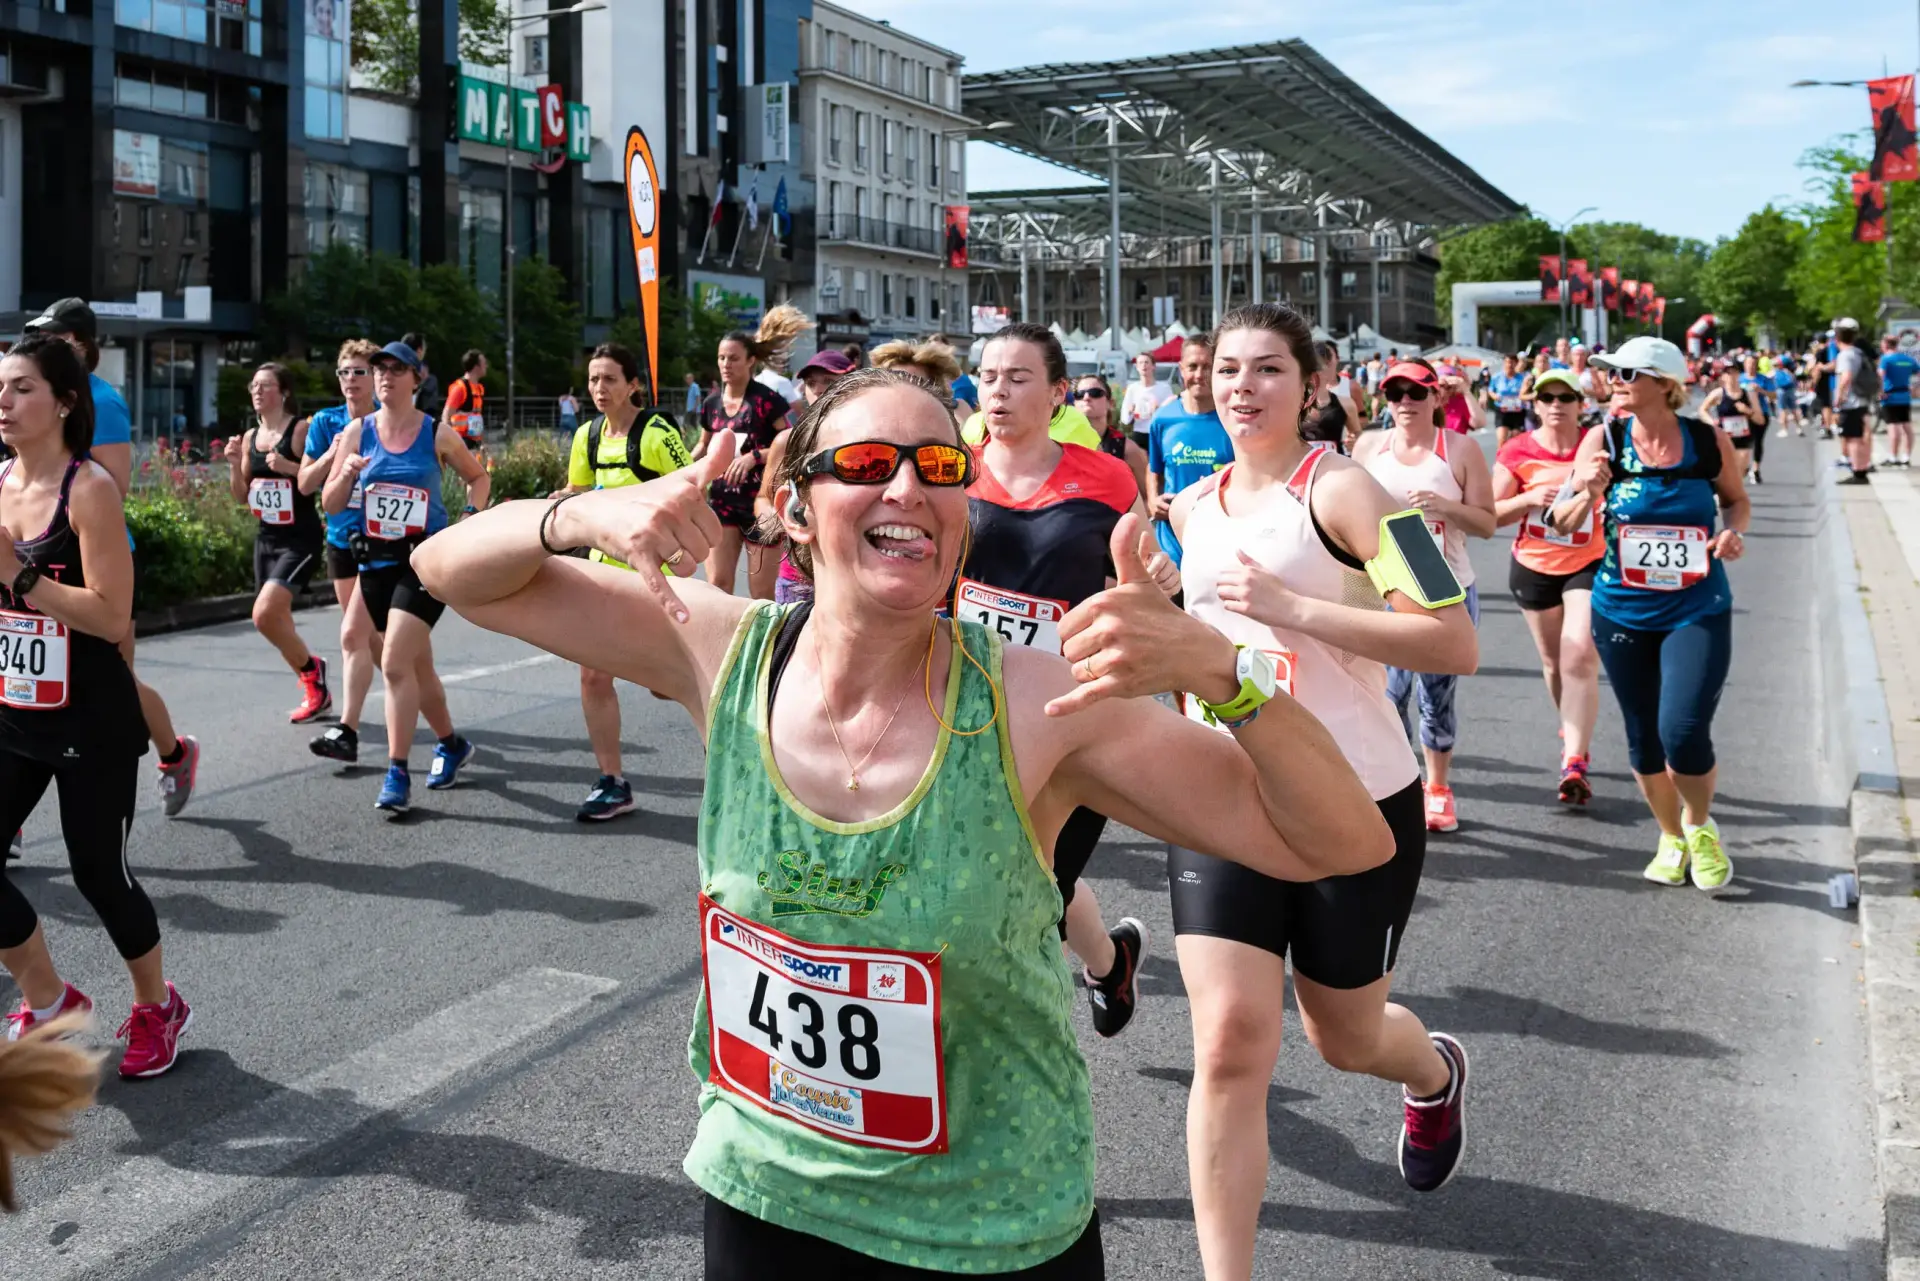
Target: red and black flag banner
x=1647 y=294
x=1894 y=157
x=1658 y=313
x=1550 y=272
x=1869 y=209
x=1580 y=282
x=1608 y=279
x=1630 y=300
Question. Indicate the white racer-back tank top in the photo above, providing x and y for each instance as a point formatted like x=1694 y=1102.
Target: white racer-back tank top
x=1435 y=473
x=1347 y=693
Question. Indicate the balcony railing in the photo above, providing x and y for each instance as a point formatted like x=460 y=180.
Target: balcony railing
x=853 y=229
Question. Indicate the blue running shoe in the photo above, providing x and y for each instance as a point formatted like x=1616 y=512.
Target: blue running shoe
x=446 y=765
x=396 y=791
x=610 y=797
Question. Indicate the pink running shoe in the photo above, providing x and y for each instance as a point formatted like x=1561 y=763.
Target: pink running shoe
x=153 y=1035
x=23 y=1021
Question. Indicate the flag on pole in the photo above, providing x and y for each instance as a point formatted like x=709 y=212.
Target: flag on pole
x=1609 y=289
x=1894 y=155
x=1630 y=300
x=1551 y=269
x=1647 y=294
x=753 y=204
x=1580 y=282
x=782 y=220
x=1869 y=209
x=1659 y=315
x=713 y=220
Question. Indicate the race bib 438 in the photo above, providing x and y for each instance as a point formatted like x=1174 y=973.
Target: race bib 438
x=843 y=1040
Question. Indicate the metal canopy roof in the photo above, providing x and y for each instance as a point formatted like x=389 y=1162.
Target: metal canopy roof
x=1292 y=135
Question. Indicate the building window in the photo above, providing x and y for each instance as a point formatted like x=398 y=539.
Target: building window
x=1309 y=284
x=859 y=60
x=326 y=76
x=860 y=293
x=928 y=78
x=143 y=275
x=910 y=215
x=933 y=160
x=910 y=296
x=1386 y=284
x=862 y=139
x=534 y=55
x=145 y=221
x=912 y=157
x=836 y=56
x=833 y=134
x=954 y=172
x=336 y=200
x=1349 y=284
x=889 y=145
x=886 y=293
x=183 y=274
x=169 y=92
x=234 y=26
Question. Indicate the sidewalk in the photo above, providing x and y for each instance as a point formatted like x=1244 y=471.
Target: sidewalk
x=1884 y=524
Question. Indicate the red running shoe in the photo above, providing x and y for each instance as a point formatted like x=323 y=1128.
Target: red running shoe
x=1574 y=788
x=23 y=1021
x=153 y=1035
x=315 y=697
x=1440 y=811
x=1433 y=1137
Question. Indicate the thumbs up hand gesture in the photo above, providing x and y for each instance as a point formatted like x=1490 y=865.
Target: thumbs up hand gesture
x=663 y=527
x=1129 y=641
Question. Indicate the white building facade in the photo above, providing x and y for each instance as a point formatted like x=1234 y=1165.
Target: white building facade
x=887 y=156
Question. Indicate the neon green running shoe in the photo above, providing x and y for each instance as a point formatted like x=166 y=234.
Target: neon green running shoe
x=1712 y=869
x=1669 y=866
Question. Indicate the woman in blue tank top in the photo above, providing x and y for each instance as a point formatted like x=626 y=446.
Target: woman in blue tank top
x=393 y=459
x=1675 y=507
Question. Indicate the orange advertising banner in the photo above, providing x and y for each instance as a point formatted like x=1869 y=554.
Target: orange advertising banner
x=643 y=211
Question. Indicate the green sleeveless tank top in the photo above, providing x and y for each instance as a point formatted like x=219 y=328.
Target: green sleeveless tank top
x=954 y=870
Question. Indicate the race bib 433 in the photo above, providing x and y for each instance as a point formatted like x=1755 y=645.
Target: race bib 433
x=843 y=1040
x=271 y=498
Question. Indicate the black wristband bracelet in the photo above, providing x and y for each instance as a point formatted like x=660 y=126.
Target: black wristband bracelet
x=546 y=519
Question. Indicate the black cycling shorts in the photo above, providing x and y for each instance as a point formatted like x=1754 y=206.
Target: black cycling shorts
x=1342 y=932
x=740 y=1247
x=1533 y=590
x=1896 y=413
x=1511 y=419
x=283 y=563
x=1853 y=423
x=394 y=587
x=1072 y=850
x=340 y=564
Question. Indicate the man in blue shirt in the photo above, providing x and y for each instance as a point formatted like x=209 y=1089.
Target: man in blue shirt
x=359 y=643
x=1509 y=410
x=965 y=392
x=1897 y=369
x=73 y=320
x=1186 y=442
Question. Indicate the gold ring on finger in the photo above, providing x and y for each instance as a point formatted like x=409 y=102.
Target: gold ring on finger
x=675 y=558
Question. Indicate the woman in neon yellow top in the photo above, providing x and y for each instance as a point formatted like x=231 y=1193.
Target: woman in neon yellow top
x=884 y=1036
x=615 y=449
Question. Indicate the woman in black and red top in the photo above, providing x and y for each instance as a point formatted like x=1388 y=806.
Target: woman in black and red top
x=1094 y=395
x=756 y=414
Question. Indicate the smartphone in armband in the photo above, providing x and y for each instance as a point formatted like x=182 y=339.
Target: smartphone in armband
x=1411 y=562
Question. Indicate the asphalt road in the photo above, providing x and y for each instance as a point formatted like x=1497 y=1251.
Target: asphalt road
x=456 y=1046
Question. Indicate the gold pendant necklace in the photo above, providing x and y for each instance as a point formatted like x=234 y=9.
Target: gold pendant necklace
x=853 y=771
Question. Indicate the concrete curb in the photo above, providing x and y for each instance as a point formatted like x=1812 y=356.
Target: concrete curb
x=1859 y=749
x=216 y=609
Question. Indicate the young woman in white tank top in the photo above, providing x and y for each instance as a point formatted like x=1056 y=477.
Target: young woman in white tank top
x=1454 y=490
x=1275 y=549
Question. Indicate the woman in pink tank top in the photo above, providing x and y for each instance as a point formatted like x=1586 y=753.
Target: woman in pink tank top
x=1275 y=548
x=1453 y=489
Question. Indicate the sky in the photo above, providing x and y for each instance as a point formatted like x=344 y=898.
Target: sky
x=1674 y=114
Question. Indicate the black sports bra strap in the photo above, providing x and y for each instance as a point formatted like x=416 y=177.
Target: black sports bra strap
x=66 y=482
x=784 y=643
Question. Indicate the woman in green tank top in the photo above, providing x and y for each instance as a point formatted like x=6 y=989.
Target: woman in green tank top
x=890 y=1081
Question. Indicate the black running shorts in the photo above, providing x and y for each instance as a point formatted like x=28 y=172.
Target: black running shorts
x=394 y=587
x=1342 y=932
x=283 y=563
x=1853 y=423
x=340 y=564
x=1534 y=590
x=1073 y=849
x=1511 y=419
x=740 y=1247
x=1896 y=413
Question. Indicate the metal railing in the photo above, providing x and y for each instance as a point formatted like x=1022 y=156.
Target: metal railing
x=853 y=229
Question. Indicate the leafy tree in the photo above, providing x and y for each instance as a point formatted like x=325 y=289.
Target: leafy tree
x=689 y=336
x=1834 y=275
x=546 y=330
x=1500 y=251
x=386 y=39
x=1747 y=281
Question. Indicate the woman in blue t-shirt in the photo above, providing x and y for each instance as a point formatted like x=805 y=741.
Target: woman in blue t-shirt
x=1675 y=507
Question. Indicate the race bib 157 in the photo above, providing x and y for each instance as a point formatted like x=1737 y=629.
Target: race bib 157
x=843 y=1040
x=1033 y=621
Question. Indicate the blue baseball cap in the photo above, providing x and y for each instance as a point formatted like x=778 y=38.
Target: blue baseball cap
x=404 y=354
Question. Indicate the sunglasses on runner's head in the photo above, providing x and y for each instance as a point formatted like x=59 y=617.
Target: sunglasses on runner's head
x=352 y=371
x=1397 y=392
x=1560 y=398
x=874 y=462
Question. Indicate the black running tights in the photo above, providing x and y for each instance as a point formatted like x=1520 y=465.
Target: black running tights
x=96 y=812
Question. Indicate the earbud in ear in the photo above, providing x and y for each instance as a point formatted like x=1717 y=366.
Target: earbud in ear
x=796 y=511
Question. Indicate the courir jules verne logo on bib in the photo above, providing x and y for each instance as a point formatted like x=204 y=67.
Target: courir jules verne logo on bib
x=798 y=886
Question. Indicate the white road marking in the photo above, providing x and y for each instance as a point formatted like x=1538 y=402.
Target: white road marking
x=475 y=673
x=99 y=1221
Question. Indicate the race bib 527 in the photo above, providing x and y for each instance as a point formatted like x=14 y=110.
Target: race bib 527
x=394 y=511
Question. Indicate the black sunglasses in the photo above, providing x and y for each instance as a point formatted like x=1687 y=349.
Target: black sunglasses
x=1397 y=392
x=1091 y=393
x=1557 y=398
x=874 y=462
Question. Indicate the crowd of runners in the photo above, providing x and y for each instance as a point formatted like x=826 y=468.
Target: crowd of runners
x=979 y=589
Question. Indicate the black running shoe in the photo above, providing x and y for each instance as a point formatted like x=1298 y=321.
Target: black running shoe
x=338 y=744
x=1433 y=1138
x=1114 y=996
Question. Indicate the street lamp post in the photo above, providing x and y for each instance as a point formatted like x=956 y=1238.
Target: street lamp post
x=513 y=245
